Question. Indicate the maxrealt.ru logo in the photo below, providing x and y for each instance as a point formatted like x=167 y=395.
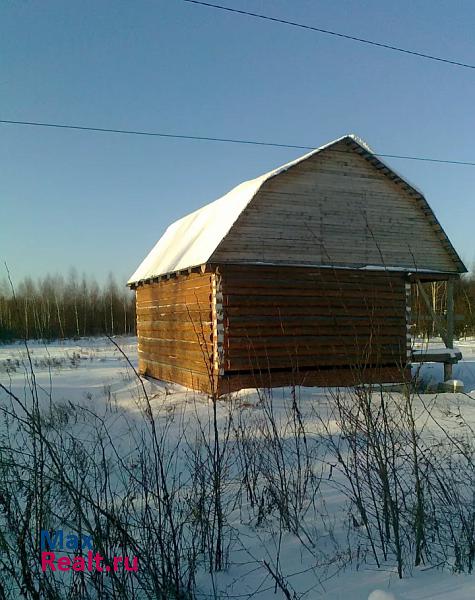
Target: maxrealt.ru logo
x=53 y=542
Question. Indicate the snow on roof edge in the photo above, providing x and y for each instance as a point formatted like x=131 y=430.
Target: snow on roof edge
x=182 y=246
x=191 y=240
x=368 y=267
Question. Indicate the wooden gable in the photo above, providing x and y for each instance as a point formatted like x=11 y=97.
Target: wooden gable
x=335 y=208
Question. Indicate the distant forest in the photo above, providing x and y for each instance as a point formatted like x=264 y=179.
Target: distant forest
x=57 y=307
x=54 y=307
x=464 y=306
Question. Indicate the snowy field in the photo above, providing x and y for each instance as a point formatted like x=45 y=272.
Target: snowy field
x=324 y=560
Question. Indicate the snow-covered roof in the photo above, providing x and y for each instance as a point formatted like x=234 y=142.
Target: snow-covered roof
x=191 y=241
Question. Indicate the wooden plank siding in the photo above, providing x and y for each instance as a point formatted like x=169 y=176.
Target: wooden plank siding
x=300 y=276
x=175 y=330
x=263 y=326
x=335 y=209
x=285 y=325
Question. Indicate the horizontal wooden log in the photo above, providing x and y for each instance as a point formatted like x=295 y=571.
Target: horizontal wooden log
x=173 y=306
x=291 y=289
x=324 y=378
x=282 y=290
x=194 y=334
x=195 y=344
x=313 y=288
x=176 y=313
x=201 y=294
x=327 y=350
x=312 y=324
x=286 y=362
x=172 y=320
x=301 y=342
x=333 y=302
x=330 y=311
x=184 y=376
x=194 y=296
x=284 y=329
x=190 y=361
x=188 y=281
x=177 y=283
x=312 y=356
x=177 y=325
x=181 y=350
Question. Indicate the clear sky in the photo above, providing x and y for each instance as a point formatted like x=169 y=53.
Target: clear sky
x=99 y=202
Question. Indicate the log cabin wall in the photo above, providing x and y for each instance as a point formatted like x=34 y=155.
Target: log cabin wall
x=294 y=325
x=303 y=278
x=175 y=330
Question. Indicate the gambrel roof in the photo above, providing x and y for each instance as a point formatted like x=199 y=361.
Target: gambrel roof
x=192 y=240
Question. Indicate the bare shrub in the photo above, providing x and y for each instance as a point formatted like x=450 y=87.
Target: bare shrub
x=279 y=460
x=411 y=492
x=127 y=494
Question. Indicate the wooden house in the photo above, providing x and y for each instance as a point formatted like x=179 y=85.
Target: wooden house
x=301 y=276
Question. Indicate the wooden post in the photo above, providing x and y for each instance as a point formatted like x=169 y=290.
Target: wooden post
x=450 y=326
x=450 y=313
x=435 y=318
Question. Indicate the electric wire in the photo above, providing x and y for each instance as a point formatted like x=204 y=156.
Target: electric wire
x=338 y=34
x=219 y=139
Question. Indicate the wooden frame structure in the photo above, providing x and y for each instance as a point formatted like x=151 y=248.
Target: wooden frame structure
x=301 y=276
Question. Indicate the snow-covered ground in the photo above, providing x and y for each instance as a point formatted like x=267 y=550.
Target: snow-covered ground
x=92 y=373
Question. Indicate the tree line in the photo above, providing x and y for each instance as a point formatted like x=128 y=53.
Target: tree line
x=464 y=306
x=55 y=307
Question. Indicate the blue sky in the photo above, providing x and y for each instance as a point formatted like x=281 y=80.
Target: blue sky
x=98 y=202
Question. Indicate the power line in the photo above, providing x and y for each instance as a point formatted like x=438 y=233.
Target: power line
x=333 y=33
x=218 y=139
x=155 y=134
